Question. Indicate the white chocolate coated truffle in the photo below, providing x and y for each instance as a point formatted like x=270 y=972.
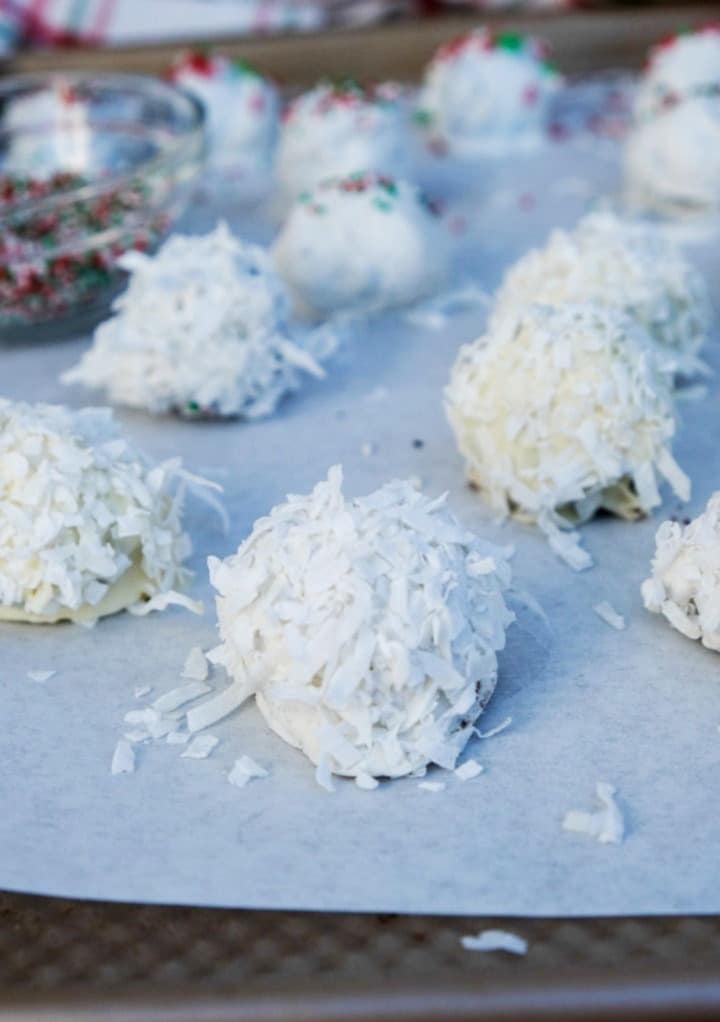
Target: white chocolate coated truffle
x=203 y=330
x=680 y=67
x=563 y=409
x=87 y=525
x=242 y=110
x=486 y=94
x=685 y=583
x=672 y=159
x=628 y=266
x=367 y=629
x=335 y=130
x=363 y=243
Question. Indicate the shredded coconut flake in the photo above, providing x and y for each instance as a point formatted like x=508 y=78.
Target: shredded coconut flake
x=142 y=691
x=468 y=770
x=179 y=696
x=495 y=940
x=498 y=729
x=200 y=747
x=203 y=329
x=41 y=676
x=196 y=665
x=123 y=761
x=607 y=613
x=178 y=738
x=367 y=629
x=244 y=770
x=432 y=786
x=366 y=782
x=605 y=825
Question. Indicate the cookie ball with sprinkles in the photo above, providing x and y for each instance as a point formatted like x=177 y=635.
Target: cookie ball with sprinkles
x=361 y=243
x=338 y=129
x=681 y=66
x=562 y=411
x=367 y=629
x=203 y=330
x=242 y=110
x=685 y=582
x=88 y=525
x=486 y=94
x=629 y=266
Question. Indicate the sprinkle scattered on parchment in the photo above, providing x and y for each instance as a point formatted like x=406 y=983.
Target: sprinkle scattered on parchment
x=605 y=825
x=495 y=940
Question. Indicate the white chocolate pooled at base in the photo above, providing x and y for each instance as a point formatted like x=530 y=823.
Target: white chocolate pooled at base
x=367 y=629
x=562 y=411
x=685 y=582
x=202 y=329
x=87 y=526
x=339 y=129
x=631 y=267
x=361 y=244
x=487 y=94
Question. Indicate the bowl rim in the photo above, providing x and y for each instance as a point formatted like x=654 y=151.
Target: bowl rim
x=194 y=134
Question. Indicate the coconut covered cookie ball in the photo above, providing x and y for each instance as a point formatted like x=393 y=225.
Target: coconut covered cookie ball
x=88 y=526
x=361 y=243
x=630 y=267
x=242 y=110
x=367 y=629
x=685 y=583
x=563 y=411
x=202 y=330
x=672 y=159
x=335 y=130
x=680 y=67
x=487 y=93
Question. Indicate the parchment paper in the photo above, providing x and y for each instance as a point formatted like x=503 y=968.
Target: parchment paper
x=639 y=708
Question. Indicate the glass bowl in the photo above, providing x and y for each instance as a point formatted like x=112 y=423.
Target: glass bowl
x=91 y=166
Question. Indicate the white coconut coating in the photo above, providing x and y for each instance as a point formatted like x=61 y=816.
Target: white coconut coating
x=486 y=94
x=685 y=583
x=628 y=266
x=563 y=409
x=242 y=110
x=679 y=68
x=363 y=243
x=202 y=329
x=367 y=629
x=672 y=159
x=335 y=130
x=81 y=513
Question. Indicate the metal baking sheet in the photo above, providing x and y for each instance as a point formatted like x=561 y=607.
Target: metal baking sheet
x=639 y=709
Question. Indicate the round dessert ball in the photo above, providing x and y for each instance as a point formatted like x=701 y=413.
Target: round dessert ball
x=335 y=130
x=486 y=93
x=562 y=411
x=362 y=243
x=630 y=267
x=242 y=110
x=367 y=629
x=685 y=583
x=202 y=330
x=672 y=159
x=88 y=526
x=680 y=67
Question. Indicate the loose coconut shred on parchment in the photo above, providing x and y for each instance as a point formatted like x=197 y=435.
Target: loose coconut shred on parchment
x=367 y=629
x=87 y=525
x=562 y=411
